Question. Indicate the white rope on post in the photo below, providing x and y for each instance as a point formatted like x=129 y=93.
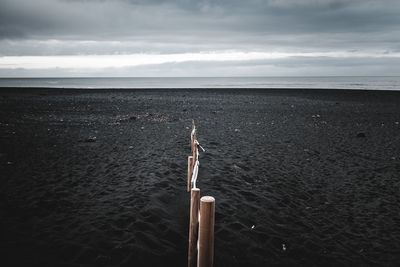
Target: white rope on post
x=196 y=165
x=197 y=143
x=195 y=173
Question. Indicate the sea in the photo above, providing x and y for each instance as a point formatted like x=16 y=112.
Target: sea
x=348 y=82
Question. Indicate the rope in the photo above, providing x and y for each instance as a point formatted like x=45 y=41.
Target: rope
x=197 y=163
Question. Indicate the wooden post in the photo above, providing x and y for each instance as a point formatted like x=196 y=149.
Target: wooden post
x=190 y=172
x=194 y=147
x=206 y=232
x=194 y=152
x=193 y=139
x=193 y=226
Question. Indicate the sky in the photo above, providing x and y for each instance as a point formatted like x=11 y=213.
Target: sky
x=199 y=38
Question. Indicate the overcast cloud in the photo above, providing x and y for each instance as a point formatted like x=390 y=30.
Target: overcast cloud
x=199 y=37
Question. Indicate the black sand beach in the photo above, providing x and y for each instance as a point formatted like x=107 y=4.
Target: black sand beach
x=98 y=177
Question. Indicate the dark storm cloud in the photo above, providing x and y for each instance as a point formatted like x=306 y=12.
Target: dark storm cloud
x=119 y=19
x=105 y=27
x=220 y=24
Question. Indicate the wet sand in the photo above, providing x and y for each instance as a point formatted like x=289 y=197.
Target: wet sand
x=98 y=177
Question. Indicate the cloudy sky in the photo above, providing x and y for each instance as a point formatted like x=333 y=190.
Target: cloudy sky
x=47 y=38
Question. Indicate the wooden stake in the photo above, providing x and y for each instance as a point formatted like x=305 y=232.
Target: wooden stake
x=206 y=232
x=193 y=226
x=194 y=146
x=194 y=152
x=190 y=172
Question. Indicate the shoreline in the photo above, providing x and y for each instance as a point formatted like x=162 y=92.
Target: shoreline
x=288 y=89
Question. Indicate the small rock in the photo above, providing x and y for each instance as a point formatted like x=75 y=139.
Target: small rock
x=142 y=128
x=396 y=122
x=9 y=162
x=130 y=147
x=237 y=130
x=360 y=134
x=91 y=139
x=252 y=227
x=283 y=247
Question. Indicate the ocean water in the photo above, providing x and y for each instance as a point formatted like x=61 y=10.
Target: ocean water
x=365 y=83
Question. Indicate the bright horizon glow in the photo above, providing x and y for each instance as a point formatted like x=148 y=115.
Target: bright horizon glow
x=120 y=61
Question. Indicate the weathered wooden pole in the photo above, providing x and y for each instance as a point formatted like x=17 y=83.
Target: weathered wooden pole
x=206 y=232
x=193 y=142
x=194 y=151
x=193 y=226
x=190 y=172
